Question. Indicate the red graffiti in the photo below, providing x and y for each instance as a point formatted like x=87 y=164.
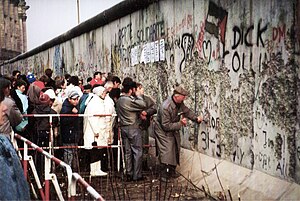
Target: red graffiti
x=187 y=22
x=200 y=37
x=278 y=33
x=222 y=26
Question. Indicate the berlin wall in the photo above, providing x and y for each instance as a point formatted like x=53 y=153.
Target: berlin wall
x=239 y=59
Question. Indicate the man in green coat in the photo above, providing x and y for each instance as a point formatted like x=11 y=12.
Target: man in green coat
x=172 y=115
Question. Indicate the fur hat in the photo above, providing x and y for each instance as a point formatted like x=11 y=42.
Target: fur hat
x=44 y=99
x=180 y=90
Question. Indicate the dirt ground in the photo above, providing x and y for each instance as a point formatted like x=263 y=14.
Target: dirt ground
x=115 y=187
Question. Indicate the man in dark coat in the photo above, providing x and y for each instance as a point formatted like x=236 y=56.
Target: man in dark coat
x=170 y=118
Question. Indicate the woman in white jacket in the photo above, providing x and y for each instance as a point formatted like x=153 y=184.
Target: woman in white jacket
x=98 y=130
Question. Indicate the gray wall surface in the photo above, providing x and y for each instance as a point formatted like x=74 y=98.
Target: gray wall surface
x=238 y=59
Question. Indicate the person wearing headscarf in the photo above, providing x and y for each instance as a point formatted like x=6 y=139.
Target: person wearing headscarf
x=98 y=131
x=42 y=127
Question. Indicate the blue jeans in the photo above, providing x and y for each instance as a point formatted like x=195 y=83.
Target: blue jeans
x=70 y=155
x=12 y=181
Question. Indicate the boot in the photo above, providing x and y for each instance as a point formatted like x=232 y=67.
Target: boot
x=145 y=166
x=174 y=174
x=96 y=169
x=165 y=172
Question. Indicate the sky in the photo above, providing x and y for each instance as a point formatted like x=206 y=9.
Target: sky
x=47 y=19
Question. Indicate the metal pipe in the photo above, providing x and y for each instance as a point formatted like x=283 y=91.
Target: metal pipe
x=47 y=190
x=90 y=189
x=78 y=10
x=171 y=190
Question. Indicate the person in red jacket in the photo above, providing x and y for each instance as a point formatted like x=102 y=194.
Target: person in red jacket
x=97 y=79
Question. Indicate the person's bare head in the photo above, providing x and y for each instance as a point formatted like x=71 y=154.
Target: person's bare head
x=48 y=72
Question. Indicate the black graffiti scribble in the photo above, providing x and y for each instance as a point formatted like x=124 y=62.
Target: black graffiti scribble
x=207 y=48
x=187 y=45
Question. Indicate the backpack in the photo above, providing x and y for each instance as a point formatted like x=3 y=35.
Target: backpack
x=84 y=100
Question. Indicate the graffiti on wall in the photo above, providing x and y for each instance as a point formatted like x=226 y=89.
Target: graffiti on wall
x=238 y=69
x=57 y=60
x=216 y=27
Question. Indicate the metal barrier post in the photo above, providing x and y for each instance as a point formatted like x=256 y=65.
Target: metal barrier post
x=73 y=188
x=118 y=157
x=36 y=177
x=56 y=186
x=122 y=152
x=48 y=177
x=48 y=158
x=90 y=189
x=25 y=160
x=51 y=136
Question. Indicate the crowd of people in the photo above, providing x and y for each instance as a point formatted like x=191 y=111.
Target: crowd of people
x=124 y=107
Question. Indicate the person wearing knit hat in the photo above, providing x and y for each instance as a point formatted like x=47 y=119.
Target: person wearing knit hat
x=98 y=131
x=44 y=99
x=171 y=117
x=71 y=133
x=56 y=103
x=31 y=78
x=73 y=95
x=103 y=91
x=50 y=93
x=98 y=90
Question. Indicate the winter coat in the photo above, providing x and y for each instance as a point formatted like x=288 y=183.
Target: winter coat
x=42 y=123
x=128 y=109
x=98 y=125
x=33 y=94
x=69 y=126
x=150 y=109
x=11 y=118
x=166 y=130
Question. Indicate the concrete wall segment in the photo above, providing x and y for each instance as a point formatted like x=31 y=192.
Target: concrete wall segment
x=238 y=60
